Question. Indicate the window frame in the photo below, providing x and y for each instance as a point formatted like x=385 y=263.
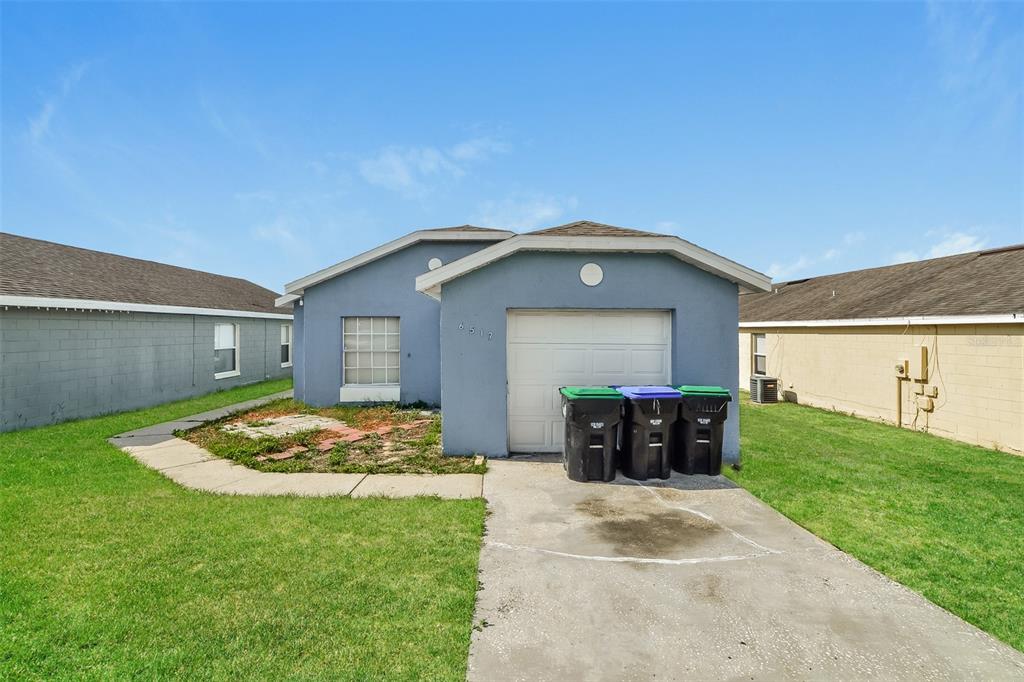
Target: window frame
x=386 y=348
x=237 y=335
x=358 y=341
x=754 y=355
x=290 y=336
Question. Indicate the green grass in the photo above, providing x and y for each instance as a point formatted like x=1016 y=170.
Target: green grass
x=107 y=569
x=943 y=518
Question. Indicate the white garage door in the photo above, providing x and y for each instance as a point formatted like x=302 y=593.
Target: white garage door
x=548 y=349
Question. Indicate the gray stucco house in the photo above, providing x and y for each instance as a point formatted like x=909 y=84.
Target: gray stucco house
x=84 y=333
x=488 y=324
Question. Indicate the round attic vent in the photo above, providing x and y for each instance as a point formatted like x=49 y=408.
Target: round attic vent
x=591 y=274
x=434 y=263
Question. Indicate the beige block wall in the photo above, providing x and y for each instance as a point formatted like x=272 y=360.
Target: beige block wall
x=977 y=369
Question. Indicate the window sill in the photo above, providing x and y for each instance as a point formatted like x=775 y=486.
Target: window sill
x=370 y=393
x=286 y=364
x=227 y=375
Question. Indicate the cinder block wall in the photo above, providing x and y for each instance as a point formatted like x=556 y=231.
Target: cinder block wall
x=977 y=369
x=58 y=365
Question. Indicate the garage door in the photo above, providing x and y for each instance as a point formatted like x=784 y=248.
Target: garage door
x=548 y=349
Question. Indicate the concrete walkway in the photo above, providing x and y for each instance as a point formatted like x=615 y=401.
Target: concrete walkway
x=692 y=579
x=193 y=467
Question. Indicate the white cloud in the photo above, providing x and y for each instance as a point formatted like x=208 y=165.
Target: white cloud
x=524 y=212
x=236 y=128
x=413 y=171
x=39 y=125
x=949 y=243
x=786 y=270
x=278 y=232
x=477 y=149
x=853 y=238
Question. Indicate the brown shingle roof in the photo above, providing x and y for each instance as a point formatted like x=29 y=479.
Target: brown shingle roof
x=32 y=267
x=980 y=283
x=587 y=228
x=464 y=228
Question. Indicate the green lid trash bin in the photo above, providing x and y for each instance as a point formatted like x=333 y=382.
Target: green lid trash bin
x=592 y=415
x=697 y=446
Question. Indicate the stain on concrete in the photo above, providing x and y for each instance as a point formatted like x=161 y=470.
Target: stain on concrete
x=644 y=532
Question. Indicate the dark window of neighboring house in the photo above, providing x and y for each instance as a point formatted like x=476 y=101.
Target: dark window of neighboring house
x=286 y=345
x=225 y=350
x=759 y=348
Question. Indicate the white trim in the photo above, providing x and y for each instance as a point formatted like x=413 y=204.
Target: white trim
x=122 y=306
x=298 y=286
x=287 y=299
x=1006 y=318
x=370 y=393
x=430 y=283
x=227 y=375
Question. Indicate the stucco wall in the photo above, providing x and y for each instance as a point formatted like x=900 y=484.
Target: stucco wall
x=385 y=287
x=473 y=366
x=978 y=371
x=57 y=365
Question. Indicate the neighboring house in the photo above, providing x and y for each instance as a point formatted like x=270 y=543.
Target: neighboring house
x=936 y=345
x=489 y=324
x=85 y=333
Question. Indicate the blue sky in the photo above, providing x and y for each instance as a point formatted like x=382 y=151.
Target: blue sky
x=269 y=140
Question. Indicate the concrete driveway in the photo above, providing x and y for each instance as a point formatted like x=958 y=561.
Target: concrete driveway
x=692 y=579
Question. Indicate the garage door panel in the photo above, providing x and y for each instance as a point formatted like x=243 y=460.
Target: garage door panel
x=610 y=361
x=569 y=361
x=647 y=362
x=549 y=349
x=611 y=328
x=531 y=399
x=649 y=329
x=533 y=434
x=527 y=362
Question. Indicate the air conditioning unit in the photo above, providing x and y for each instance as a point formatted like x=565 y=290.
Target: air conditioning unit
x=764 y=389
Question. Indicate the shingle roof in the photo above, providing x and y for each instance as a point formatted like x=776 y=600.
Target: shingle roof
x=980 y=283
x=587 y=228
x=32 y=267
x=464 y=228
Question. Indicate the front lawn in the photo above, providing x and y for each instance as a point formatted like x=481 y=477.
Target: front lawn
x=108 y=569
x=943 y=518
x=368 y=440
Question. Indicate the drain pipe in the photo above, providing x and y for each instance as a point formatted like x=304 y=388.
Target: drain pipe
x=899 y=403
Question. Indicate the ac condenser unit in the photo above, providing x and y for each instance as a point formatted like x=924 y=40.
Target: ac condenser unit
x=764 y=389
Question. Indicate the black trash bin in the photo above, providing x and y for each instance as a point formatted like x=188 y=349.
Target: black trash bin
x=592 y=416
x=646 y=434
x=697 y=445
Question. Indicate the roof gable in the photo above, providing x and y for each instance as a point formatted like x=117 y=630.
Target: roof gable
x=430 y=283
x=294 y=290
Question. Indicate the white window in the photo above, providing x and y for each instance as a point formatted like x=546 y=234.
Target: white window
x=286 y=345
x=371 y=351
x=759 y=353
x=225 y=351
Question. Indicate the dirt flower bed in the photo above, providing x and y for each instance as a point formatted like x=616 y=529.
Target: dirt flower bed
x=289 y=436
